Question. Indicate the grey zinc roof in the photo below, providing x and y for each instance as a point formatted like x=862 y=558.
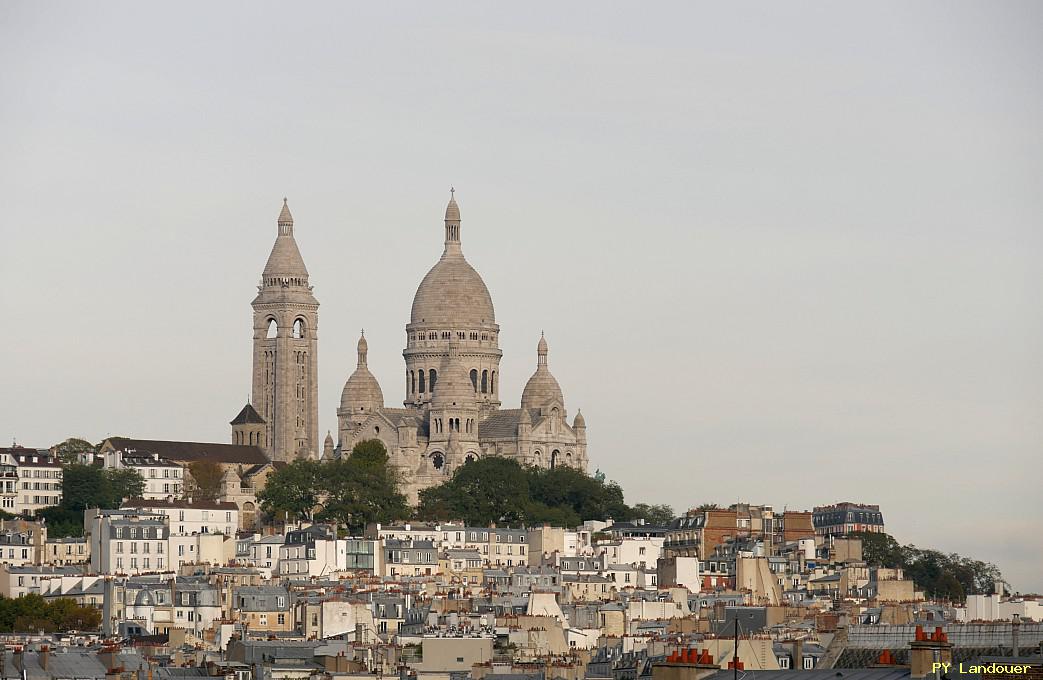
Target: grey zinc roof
x=503 y=424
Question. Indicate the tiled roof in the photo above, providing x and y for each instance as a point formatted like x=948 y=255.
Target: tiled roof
x=190 y=452
x=181 y=504
x=248 y=415
x=502 y=424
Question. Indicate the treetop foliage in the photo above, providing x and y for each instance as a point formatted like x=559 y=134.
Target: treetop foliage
x=353 y=490
x=32 y=613
x=948 y=577
x=495 y=489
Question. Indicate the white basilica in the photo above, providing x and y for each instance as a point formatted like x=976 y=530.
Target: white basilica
x=451 y=413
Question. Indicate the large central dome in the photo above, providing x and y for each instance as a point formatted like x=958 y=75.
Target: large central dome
x=453 y=293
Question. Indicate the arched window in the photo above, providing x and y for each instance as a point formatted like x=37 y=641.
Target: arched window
x=433 y=377
x=485 y=382
x=470 y=458
x=273 y=328
x=554 y=458
x=474 y=378
x=298 y=328
x=421 y=373
x=438 y=461
x=412 y=382
x=492 y=383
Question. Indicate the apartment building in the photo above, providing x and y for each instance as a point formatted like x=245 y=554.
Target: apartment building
x=36 y=480
x=841 y=519
x=164 y=479
x=127 y=541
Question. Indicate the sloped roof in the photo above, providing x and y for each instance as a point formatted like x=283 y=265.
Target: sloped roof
x=503 y=424
x=190 y=452
x=248 y=415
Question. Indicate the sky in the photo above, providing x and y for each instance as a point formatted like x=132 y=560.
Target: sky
x=783 y=253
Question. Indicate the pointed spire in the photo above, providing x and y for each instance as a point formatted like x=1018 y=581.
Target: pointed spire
x=363 y=349
x=452 y=224
x=541 y=351
x=285 y=263
x=285 y=219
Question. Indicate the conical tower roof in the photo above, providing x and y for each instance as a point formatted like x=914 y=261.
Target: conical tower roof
x=285 y=260
x=247 y=416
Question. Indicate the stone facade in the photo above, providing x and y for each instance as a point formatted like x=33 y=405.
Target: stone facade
x=452 y=411
x=285 y=352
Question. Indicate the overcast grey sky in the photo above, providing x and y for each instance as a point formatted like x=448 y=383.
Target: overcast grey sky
x=786 y=253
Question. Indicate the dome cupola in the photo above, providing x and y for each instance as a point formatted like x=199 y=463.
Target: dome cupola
x=452 y=293
x=361 y=391
x=542 y=387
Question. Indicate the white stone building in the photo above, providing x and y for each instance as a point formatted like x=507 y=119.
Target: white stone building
x=30 y=479
x=163 y=478
x=128 y=541
x=452 y=402
x=188 y=517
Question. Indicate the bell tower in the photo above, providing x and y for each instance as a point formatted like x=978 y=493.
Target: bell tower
x=285 y=353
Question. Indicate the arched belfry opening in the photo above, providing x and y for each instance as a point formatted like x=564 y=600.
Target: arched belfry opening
x=285 y=359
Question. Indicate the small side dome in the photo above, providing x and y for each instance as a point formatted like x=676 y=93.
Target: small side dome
x=361 y=391
x=579 y=421
x=542 y=386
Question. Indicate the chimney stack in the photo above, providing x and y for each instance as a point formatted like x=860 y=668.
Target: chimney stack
x=927 y=650
x=45 y=656
x=798 y=655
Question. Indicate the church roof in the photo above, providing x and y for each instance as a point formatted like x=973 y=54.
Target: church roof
x=248 y=415
x=453 y=292
x=503 y=424
x=189 y=452
x=361 y=389
x=285 y=259
x=542 y=387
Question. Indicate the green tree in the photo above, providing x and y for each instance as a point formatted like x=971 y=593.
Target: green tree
x=84 y=486
x=656 y=515
x=89 y=486
x=204 y=481
x=68 y=451
x=120 y=485
x=61 y=521
x=586 y=496
x=492 y=489
x=362 y=488
x=880 y=549
x=940 y=575
x=293 y=491
x=31 y=613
